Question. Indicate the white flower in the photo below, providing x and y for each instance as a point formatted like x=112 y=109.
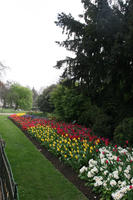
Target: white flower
x=104 y=184
x=109 y=155
x=117 y=195
x=98 y=183
x=114 y=157
x=119 y=184
x=115 y=174
x=98 y=178
x=123 y=151
x=129 y=167
x=110 y=158
x=101 y=169
x=126 y=171
x=94 y=170
x=92 y=163
x=83 y=169
x=105 y=172
x=113 y=183
x=89 y=174
x=123 y=189
x=101 y=155
x=127 y=176
x=123 y=183
x=132 y=180
x=95 y=178
x=120 y=168
x=110 y=175
x=103 y=160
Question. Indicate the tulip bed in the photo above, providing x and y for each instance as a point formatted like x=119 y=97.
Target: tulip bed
x=107 y=168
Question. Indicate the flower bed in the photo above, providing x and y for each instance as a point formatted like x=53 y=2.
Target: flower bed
x=107 y=168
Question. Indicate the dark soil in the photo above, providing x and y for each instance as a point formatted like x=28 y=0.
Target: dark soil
x=67 y=171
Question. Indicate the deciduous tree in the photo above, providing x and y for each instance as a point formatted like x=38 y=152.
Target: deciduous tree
x=20 y=96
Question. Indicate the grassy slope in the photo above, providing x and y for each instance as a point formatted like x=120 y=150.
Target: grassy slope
x=36 y=177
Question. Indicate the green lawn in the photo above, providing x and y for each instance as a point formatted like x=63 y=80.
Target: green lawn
x=9 y=110
x=36 y=177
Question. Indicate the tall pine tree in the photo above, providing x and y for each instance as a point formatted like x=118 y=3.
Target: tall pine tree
x=101 y=46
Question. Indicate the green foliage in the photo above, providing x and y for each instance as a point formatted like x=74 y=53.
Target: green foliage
x=124 y=131
x=89 y=114
x=4 y=90
x=70 y=105
x=103 y=64
x=102 y=126
x=44 y=101
x=100 y=45
x=20 y=96
x=130 y=195
x=64 y=101
x=35 y=98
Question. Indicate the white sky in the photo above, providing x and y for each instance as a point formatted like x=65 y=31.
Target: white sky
x=27 y=39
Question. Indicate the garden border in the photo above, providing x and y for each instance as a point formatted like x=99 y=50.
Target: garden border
x=66 y=170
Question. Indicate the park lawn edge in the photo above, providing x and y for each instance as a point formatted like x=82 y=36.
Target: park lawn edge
x=27 y=174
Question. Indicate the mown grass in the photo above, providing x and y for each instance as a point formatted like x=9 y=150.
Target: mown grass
x=9 y=110
x=36 y=177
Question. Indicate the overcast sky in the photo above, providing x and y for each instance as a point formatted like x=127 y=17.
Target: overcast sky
x=27 y=39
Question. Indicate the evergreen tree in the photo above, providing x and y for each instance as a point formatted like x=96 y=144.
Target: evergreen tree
x=44 y=102
x=103 y=49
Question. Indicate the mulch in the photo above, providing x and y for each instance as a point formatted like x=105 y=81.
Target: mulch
x=66 y=170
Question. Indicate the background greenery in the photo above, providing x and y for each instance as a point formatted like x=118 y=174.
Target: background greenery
x=96 y=87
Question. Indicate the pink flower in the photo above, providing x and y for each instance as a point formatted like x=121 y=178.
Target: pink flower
x=131 y=187
x=118 y=159
x=107 y=161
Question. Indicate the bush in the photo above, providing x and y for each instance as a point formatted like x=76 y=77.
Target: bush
x=124 y=131
x=102 y=125
x=89 y=114
x=70 y=104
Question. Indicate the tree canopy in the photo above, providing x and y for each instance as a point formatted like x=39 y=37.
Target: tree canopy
x=44 y=101
x=20 y=97
x=102 y=44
